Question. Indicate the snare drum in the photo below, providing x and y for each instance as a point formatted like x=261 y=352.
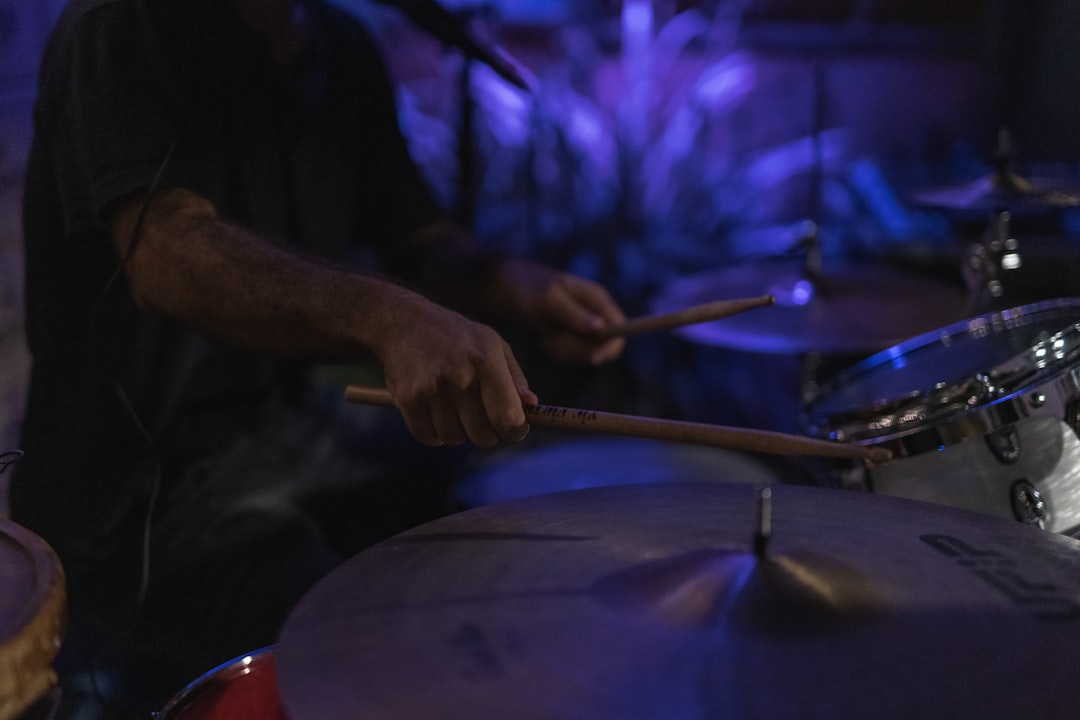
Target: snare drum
x=981 y=414
x=600 y=462
x=242 y=689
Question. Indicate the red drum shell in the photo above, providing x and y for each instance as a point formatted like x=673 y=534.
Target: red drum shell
x=244 y=688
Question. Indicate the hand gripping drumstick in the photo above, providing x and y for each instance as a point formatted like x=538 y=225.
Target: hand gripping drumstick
x=689 y=316
x=762 y=441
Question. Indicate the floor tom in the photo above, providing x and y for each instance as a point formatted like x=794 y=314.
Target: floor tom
x=244 y=688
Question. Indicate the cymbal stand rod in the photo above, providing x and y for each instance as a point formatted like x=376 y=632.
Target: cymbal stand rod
x=1003 y=160
x=982 y=265
x=764 y=518
x=812 y=269
x=812 y=239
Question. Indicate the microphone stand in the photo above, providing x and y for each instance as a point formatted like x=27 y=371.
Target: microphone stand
x=466 y=149
x=452 y=30
x=813 y=272
x=812 y=241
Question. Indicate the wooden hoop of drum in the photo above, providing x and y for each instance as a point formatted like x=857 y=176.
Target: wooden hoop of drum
x=32 y=618
x=244 y=688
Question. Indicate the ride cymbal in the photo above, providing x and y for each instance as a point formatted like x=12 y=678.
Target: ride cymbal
x=650 y=602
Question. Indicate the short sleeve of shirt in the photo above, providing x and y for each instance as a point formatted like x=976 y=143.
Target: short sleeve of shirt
x=103 y=101
x=310 y=153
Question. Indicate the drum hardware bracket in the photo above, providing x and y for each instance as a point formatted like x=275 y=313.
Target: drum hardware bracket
x=1004 y=444
x=1028 y=504
x=996 y=253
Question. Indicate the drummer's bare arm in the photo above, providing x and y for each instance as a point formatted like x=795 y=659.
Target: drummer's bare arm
x=452 y=379
x=567 y=310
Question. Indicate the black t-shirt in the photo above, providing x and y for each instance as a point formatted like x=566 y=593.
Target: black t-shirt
x=181 y=93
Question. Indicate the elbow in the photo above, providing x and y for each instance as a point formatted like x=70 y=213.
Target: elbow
x=142 y=293
x=148 y=234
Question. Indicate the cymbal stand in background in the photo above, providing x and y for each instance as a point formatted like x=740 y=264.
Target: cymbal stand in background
x=991 y=263
x=986 y=259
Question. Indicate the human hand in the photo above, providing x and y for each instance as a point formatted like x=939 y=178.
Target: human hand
x=569 y=311
x=451 y=378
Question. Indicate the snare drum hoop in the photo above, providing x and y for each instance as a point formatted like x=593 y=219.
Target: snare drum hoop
x=32 y=639
x=1023 y=386
x=220 y=675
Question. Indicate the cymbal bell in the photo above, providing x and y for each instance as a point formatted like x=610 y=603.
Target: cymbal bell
x=776 y=594
x=651 y=601
x=1002 y=190
x=849 y=307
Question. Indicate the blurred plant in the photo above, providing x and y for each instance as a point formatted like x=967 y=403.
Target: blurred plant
x=629 y=158
x=626 y=150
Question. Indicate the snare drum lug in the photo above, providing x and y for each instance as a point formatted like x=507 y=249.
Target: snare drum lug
x=1072 y=414
x=1005 y=444
x=1028 y=505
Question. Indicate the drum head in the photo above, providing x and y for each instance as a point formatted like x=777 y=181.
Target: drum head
x=914 y=383
x=600 y=462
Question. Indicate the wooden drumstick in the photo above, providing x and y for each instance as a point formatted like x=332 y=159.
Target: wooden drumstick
x=762 y=441
x=689 y=316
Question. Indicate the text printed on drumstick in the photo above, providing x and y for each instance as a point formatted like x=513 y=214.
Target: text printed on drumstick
x=562 y=413
x=658 y=429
